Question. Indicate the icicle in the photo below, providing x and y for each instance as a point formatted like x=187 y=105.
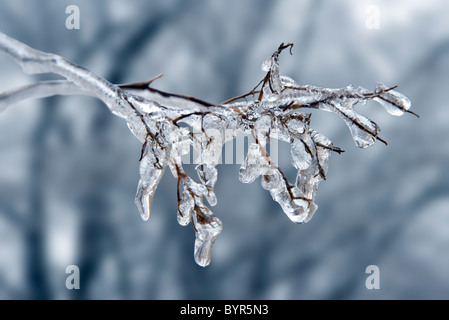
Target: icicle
x=154 y=117
x=152 y=167
x=300 y=156
x=144 y=200
x=363 y=130
x=297 y=208
x=254 y=165
x=208 y=228
x=394 y=102
x=208 y=176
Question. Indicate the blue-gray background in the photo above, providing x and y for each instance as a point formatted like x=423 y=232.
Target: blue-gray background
x=69 y=168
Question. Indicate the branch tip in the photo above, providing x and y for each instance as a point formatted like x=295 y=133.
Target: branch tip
x=382 y=140
x=283 y=46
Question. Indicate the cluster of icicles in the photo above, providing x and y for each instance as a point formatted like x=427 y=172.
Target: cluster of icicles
x=169 y=125
x=278 y=103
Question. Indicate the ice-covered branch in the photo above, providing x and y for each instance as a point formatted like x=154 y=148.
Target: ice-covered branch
x=38 y=90
x=276 y=105
x=34 y=61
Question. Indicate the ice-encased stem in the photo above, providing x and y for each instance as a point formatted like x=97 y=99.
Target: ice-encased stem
x=154 y=117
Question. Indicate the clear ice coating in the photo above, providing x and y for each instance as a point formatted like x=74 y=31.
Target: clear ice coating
x=152 y=167
x=394 y=102
x=159 y=119
x=254 y=165
x=208 y=228
x=301 y=155
x=279 y=110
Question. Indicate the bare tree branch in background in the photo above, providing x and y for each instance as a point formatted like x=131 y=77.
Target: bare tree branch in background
x=158 y=119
